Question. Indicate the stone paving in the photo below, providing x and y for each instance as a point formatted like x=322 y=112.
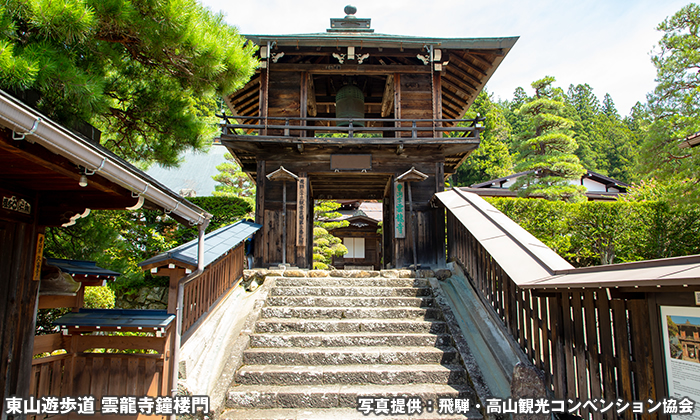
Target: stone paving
x=325 y=338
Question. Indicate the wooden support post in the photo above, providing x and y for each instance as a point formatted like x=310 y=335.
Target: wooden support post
x=259 y=245
x=284 y=222
x=413 y=226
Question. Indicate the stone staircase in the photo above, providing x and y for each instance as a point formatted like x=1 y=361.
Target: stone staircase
x=322 y=343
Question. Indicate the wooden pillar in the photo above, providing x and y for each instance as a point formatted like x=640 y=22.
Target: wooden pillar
x=302 y=222
x=284 y=222
x=18 y=305
x=259 y=246
x=414 y=228
x=175 y=275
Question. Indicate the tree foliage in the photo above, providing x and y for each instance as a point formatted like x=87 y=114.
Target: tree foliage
x=492 y=159
x=233 y=182
x=146 y=73
x=675 y=105
x=326 y=246
x=594 y=233
x=119 y=240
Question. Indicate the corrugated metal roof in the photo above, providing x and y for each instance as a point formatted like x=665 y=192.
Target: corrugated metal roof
x=87 y=268
x=533 y=265
x=216 y=244
x=144 y=318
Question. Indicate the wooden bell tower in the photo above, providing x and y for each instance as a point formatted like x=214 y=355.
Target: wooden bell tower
x=395 y=124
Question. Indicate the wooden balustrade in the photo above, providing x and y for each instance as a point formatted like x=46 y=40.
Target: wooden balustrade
x=203 y=292
x=588 y=345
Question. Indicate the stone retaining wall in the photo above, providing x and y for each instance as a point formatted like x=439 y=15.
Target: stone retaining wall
x=145 y=298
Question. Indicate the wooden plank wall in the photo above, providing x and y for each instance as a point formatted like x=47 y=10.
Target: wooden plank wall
x=98 y=375
x=589 y=346
x=416 y=101
x=284 y=98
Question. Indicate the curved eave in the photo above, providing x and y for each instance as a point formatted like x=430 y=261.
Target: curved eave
x=20 y=118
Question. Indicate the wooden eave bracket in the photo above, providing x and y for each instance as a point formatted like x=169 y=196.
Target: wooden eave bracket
x=412 y=175
x=282 y=175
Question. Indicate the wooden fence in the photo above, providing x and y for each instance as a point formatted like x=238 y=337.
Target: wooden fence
x=588 y=345
x=201 y=293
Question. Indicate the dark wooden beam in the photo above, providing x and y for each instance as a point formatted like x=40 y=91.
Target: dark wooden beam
x=37 y=155
x=459 y=73
x=454 y=57
x=348 y=69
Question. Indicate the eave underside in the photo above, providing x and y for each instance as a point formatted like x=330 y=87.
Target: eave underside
x=464 y=74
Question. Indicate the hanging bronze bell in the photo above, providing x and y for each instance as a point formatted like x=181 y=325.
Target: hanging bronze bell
x=349 y=103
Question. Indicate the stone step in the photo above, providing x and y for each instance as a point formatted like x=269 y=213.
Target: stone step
x=295 y=301
x=349 y=282
x=350 y=356
x=350 y=291
x=331 y=396
x=315 y=312
x=351 y=374
x=335 y=413
x=278 y=325
x=348 y=340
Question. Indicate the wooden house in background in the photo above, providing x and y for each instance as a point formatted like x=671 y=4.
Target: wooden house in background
x=598 y=186
x=346 y=113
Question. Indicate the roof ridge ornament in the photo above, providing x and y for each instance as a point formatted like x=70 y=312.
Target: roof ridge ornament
x=350 y=23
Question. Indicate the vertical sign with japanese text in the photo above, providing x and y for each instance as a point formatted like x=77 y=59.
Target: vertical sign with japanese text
x=302 y=210
x=399 y=210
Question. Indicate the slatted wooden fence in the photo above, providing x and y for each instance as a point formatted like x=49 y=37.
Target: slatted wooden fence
x=588 y=345
x=200 y=294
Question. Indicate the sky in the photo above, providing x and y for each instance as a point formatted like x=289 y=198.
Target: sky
x=605 y=43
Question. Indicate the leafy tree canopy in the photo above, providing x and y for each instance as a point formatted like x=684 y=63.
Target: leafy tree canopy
x=492 y=159
x=146 y=73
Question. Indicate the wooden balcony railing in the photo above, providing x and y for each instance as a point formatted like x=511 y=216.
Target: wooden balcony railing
x=201 y=293
x=588 y=345
x=371 y=130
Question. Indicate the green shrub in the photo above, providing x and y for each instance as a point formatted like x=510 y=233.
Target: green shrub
x=593 y=232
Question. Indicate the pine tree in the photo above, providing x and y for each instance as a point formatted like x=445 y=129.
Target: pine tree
x=675 y=106
x=326 y=246
x=146 y=73
x=233 y=182
x=547 y=151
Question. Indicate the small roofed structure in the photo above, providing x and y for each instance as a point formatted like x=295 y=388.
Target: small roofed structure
x=363 y=242
x=692 y=140
x=598 y=186
x=84 y=271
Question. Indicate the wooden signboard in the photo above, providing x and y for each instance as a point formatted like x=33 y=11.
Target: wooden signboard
x=399 y=210
x=302 y=210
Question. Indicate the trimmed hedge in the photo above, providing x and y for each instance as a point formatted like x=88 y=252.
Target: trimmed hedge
x=593 y=232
